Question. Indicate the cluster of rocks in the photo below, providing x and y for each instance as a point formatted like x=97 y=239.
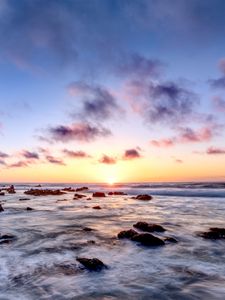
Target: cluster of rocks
x=83 y=188
x=99 y=194
x=68 y=189
x=46 y=192
x=144 y=197
x=146 y=238
x=10 y=190
x=214 y=233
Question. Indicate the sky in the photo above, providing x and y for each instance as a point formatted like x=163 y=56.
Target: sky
x=112 y=91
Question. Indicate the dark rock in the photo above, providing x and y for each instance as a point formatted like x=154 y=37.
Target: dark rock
x=6 y=238
x=92 y=264
x=69 y=189
x=170 y=240
x=117 y=193
x=147 y=239
x=2 y=194
x=46 y=192
x=79 y=196
x=37 y=186
x=98 y=194
x=24 y=199
x=144 y=226
x=1 y=208
x=29 y=208
x=143 y=197
x=83 y=188
x=88 y=199
x=97 y=207
x=11 y=190
x=127 y=234
x=87 y=229
x=214 y=233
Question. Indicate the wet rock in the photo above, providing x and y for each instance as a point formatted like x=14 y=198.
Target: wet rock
x=170 y=240
x=29 y=208
x=24 y=199
x=127 y=234
x=37 y=186
x=79 y=196
x=98 y=194
x=88 y=199
x=97 y=207
x=6 y=238
x=214 y=233
x=1 y=208
x=144 y=226
x=117 y=193
x=11 y=189
x=2 y=194
x=144 y=197
x=87 y=229
x=147 y=239
x=46 y=192
x=92 y=264
x=69 y=189
x=83 y=188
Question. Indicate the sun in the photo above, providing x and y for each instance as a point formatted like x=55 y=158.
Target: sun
x=111 y=180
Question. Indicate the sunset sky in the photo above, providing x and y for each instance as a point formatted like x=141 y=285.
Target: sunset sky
x=112 y=90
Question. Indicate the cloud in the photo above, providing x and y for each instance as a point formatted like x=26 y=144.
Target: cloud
x=97 y=102
x=105 y=159
x=188 y=135
x=215 y=151
x=30 y=155
x=163 y=102
x=19 y=164
x=3 y=155
x=220 y=81
x=54 y=160
x=2 y=162
x=131 y=154
x=219 y=104
x=77 y=131
x=179 y=161
x=76 y=154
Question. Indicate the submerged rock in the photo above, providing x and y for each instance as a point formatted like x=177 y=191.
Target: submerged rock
x=147 y=239
x=117 y=193
x=2 y=194
x=6 y=238
x=68 y=189
x=214 y=233
x=87 y=229
x=29 y=208
x=1 y=208
x=144 y=226
x=98 y=194
x=127 y=234
x=46 y=192
x=24 y=199
x=144 y=197
x=170 y=240
x=92 y=264
x=97 y=207
x=79 y=196
x=83 y=188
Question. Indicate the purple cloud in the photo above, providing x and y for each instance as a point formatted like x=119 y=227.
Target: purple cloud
x=131 y=154
x=3 y=155
x=19 y=164
x=54 y=160
x=77 y=131
x=97 y=102
x=105 y=159
x=219 y=104
x=215 y=151
x=30 y=155
x=76 y=154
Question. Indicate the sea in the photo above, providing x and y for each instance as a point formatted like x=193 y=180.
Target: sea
x=40 y=261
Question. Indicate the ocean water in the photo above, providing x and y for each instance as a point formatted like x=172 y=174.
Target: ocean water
x=41 y=262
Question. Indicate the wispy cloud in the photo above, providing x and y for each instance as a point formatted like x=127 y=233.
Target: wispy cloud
x=108 y=160
x=76 y=154
x=215 y=151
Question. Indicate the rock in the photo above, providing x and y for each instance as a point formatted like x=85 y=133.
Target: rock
x=24 y=199
x=87 y=229
x=117 y=193
x=29 y=208
x=144 y=226
x=214 y=233
x=1 y=208
x=97 y=207
x=88 y=199
x=11 y=190
x=46 y=192
x=83 y=188
x=143 y=197
x=6 y=238
x=147 y=239
x=2 y=194
x=92 y=264
x=69 y=189
x=37 y=186
x=127 y=234
x=98 y=194
x=170 y=240
x=79 y=196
